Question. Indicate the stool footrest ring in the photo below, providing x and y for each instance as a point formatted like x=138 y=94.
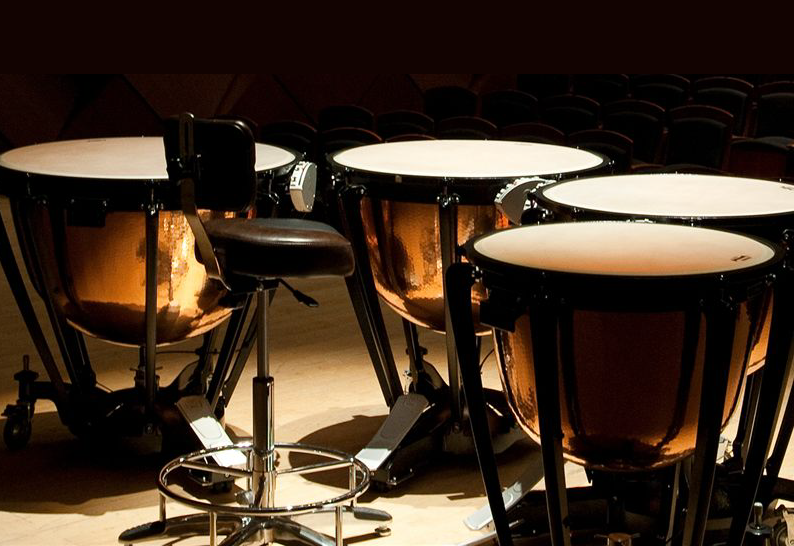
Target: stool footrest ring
x=338 y=460
x=239 y=523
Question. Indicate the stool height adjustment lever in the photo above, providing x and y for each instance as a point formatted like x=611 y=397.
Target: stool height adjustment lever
x=308 y=301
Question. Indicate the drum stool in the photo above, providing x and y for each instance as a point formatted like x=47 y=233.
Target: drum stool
x=251 y=256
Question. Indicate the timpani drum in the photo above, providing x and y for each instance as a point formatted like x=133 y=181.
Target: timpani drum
x=404 y=183
x=631 y=306
x=78 y=208
x=757 y=207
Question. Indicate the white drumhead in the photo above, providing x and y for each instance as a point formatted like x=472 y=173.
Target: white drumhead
x=624 y=248
x=467 y=159
x=681 y=195
x=133 y=158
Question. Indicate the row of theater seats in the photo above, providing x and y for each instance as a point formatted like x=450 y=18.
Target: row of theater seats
x=706 y=132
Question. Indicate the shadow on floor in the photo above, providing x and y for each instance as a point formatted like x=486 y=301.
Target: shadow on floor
x=454 y=476
x=59 y=473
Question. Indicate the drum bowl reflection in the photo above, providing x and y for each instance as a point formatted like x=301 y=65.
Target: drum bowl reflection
x=96 y=276
x=403 y=244
x=629 y=401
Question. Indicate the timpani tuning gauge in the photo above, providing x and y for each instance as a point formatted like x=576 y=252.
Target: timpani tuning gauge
x=302 y=186
x=511 y=200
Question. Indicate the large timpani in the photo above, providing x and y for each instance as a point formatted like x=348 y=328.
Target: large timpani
x=78 y=207
x=756 y=207
x=404 y=183
x=632 y=305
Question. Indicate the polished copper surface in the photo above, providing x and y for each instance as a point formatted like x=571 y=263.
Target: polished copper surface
x=403 y=243
x=627 y=400
x=96 y=276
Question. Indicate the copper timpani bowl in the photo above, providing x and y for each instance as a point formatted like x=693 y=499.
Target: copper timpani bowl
x=400 y=213
x=77 y=208
x=632 y=330
x=402 y=243
x=757 y=207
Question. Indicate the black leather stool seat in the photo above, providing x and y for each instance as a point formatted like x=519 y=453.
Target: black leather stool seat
x=270 y=248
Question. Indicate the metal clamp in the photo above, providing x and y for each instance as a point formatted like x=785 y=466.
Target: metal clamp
x=303 y=186
x=511 y=200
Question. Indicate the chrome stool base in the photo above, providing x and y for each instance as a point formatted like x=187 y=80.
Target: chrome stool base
x=241 y=524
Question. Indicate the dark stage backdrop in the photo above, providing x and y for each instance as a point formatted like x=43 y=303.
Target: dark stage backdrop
x=42 y=107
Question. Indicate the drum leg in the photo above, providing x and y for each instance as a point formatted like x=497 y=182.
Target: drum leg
x=543 y=318
x=75 y=343
x=150 y=349
x=415 y=351
x=670 y=506
x=775 y=462
x=459 y=281
x=69 y=341
x=749 y=407
x=239 y=363
x=204 y=365
x=777 y=361
x=719 y=343
x=425 y=379
x=230 y=341
x=373 y=330
x=22 y=299
x=361 y=287
x=448 y=233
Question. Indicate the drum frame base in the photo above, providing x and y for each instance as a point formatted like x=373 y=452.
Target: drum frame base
x=589 y=507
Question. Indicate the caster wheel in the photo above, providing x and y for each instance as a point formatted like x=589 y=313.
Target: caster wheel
x=383 y=531
x=780 y=535
x=16 y=432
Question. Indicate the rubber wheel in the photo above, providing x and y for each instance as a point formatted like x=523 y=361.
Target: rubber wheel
x=16 y=432
x=780 y=535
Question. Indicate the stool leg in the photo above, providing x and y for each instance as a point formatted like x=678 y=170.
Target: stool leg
x=338 y=525
x=213 y=531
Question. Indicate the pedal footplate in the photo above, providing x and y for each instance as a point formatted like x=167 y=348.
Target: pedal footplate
x=402 y=417
x=532 y=474
x=197 y=412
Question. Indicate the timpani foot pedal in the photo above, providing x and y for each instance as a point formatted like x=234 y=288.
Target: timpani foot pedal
x=511 y=495
x=210 y=432
x=418 y=431
x=403 y=416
